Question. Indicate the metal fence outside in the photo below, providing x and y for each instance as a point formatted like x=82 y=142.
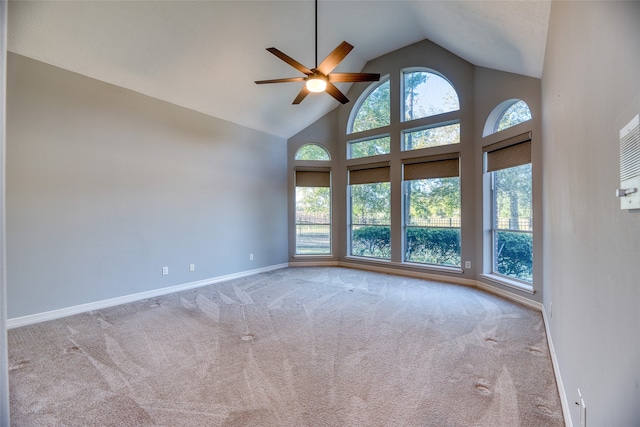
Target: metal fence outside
x=521 y=224
x=434 y=222
x=302 y=218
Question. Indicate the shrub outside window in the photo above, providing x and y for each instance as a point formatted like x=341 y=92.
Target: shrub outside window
x=371 y=220
x=432 y=225
x=370 y=212
x=432 y=210
x=512 y=224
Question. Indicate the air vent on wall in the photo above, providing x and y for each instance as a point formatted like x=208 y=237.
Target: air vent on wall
x=630 y=165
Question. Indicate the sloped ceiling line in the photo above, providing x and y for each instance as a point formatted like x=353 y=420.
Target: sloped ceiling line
x=206 y=55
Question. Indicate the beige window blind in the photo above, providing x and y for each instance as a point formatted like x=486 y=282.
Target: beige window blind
x=313 y=178
x=370 y=174
x=445 y=166
x=509 y=153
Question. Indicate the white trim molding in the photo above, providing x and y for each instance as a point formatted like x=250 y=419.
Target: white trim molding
x=313 y=263
x=566 y=412
x=509 y=295
x=505 y=281
x=97 y=305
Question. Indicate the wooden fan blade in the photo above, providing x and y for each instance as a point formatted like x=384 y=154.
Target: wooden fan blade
x=353 y=77
x=334 y=58
x=335 y=92
x=289 y=60
x=302 y=95
x=286 y=80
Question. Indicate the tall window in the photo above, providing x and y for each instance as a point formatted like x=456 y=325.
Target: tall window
x=313 y=201
x=313 y=212
x=432 y=211
x=509 y=163
x=370 y=212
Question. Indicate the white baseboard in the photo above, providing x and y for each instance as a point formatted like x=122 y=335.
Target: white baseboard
x=97 y=305
x=313 y=263
x=509 y=295
x=556 y=370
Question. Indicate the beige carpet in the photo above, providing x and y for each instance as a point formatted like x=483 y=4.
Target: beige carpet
x=293 y=347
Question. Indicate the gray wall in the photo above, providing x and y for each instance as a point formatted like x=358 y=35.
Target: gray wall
x=590 y=90
x=106 y=186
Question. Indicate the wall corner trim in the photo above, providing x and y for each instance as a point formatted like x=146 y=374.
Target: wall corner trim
x=16 y=322
x=566 y=413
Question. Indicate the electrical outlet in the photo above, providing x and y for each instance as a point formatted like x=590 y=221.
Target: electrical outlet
x=467 y=264
x=192 y=267
x=583 y=410
x=250 y=257
x=165 y=271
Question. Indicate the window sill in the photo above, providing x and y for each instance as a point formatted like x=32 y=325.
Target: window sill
x=312 y=256
x=367 y=259
x=504 y=281
x=412 y=265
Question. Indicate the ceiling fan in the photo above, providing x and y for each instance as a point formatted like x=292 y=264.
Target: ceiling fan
x=321 y=78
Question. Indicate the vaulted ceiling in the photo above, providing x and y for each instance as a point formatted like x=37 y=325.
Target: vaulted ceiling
x=205 y=55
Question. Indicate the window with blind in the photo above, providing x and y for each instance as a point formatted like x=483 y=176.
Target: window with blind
x=369 y=194
x=509 y=163
x=313 y=212
x=432 y=210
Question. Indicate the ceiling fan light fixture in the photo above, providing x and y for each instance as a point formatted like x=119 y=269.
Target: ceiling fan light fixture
x=321 y=78
x=316 y=84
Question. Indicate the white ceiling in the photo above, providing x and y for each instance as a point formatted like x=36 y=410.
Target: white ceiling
x=205 y=55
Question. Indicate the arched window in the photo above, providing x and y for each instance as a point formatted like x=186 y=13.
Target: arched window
x=373 y=109
x=506 y=114
x=427 y=94
x=312 y=152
